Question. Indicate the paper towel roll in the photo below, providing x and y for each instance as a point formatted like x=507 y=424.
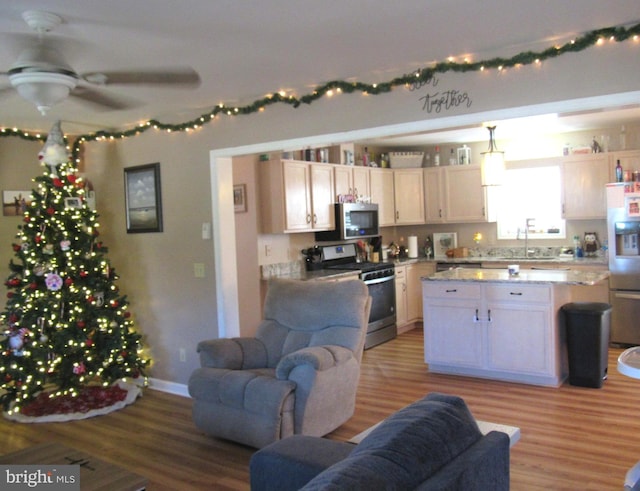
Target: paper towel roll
x=413 y=246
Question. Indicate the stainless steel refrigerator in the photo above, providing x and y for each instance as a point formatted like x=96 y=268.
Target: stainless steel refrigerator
x=623 y=228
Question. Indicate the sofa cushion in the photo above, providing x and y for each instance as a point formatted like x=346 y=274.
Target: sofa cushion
x=406 y=448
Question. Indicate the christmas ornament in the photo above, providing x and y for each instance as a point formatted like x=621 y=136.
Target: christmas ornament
x=65 y=245
x=99 y=299
x=54 y=152
x=48 y=249
x=53 y=281
x=16 y=343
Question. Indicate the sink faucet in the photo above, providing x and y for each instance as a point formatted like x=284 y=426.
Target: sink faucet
x=529 y=222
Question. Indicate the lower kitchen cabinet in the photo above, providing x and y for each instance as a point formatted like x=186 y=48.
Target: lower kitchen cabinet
x=499 y=331
x=414 y=288
x=409 y=293
x=401 y=297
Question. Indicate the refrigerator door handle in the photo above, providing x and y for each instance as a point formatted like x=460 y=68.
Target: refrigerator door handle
x=629 y=296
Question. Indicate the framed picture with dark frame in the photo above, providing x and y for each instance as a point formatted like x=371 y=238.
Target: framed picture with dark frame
x=143 y=198
x=240 y=198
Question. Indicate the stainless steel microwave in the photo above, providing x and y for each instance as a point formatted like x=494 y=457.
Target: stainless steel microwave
x=353 y=221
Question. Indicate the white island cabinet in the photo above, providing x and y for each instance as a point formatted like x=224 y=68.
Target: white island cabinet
x=485 y=323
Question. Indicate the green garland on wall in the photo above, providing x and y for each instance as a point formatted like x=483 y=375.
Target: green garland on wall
x=416 y=78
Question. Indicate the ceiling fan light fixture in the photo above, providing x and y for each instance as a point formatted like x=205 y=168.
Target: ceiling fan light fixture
x=43 y=89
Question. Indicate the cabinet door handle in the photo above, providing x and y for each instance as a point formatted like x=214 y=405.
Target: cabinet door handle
x=440 y=213
x=451 y=291
x=315 y=218
x=308 y=218
x=515 y=293
x=476 y=319
x=397 y=215
x=489 y=315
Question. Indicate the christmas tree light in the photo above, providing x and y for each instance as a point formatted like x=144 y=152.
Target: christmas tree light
x=66 y=325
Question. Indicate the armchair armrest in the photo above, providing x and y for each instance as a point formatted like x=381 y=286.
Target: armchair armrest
x=318 y=357
x=232 y=353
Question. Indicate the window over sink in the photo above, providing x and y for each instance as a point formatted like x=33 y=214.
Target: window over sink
x=531 y=203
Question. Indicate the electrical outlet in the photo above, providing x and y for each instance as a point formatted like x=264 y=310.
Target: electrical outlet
x=198 y=270
x=206 y=231
x=267 y=250
x=183 y=355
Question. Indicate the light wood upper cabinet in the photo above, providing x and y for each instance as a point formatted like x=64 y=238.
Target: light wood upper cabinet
x=352 y=180
x=361 y=181
x=343 y=179
x=296 y=196
x=465 y=198
x=434 y=195
x=409 y=196
x=382 y=193
x=584 y=179
x=322 y=197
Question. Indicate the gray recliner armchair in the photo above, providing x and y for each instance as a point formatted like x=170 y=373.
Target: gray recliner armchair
x=298 y=376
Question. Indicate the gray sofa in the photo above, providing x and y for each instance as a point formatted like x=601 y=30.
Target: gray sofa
x=297 y=376
x=431 y=445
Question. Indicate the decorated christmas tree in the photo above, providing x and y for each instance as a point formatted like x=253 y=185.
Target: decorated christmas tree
x=66 y=325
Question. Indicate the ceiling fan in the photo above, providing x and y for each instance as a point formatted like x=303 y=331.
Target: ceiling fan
x=42 y=76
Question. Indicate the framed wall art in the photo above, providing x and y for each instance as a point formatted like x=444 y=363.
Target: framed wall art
x=143 y=198
x=14 y=203
x=240 y=198
x=442 y=242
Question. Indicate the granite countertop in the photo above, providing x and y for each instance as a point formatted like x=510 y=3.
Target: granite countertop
x=321 y=274
x=568 y=277
x=565 y=261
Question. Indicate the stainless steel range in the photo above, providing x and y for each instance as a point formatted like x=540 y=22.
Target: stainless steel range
x=379 y=278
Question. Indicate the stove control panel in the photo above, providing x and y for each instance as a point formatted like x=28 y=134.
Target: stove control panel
x=340 y=251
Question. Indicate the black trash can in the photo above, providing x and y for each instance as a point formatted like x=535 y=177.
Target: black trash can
x=588 y=325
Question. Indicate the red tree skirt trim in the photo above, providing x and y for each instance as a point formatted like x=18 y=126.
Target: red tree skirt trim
x=91 y=401
x=89 y=398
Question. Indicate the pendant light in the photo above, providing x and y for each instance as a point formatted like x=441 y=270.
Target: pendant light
x=492 y=166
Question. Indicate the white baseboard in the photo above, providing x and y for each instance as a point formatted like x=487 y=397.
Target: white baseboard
x=169 y=387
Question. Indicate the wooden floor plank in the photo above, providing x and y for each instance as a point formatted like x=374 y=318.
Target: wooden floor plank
x=571 y=437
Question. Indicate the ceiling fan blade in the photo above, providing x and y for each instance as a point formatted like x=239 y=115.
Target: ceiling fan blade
x=172 y=76
x=103 y=99
x=8 y=90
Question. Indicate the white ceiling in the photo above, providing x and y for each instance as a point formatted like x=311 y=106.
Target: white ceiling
x=245 y=49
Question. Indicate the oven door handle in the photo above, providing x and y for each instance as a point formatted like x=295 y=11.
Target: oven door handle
x=380 y=280
x=628 y=296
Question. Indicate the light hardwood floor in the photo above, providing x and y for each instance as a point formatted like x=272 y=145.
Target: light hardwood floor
x=573 y=438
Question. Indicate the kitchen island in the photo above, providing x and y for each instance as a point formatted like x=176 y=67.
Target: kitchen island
x=487 y=323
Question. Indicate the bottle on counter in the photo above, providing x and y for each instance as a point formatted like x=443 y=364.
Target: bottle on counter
x=452 y=158
x=577 y=247
x=619 y=173
x=365 y=157
x=436 y=157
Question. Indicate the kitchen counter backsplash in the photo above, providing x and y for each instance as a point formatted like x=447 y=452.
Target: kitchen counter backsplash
x=518 y=251
x=291 y=268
